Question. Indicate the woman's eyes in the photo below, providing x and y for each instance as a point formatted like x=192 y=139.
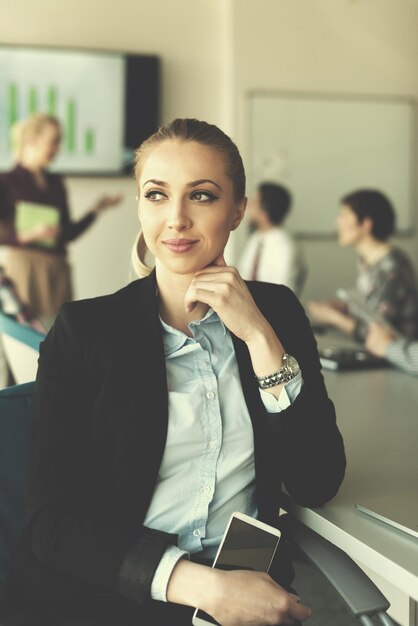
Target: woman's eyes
x=154 y=195
x=202 y=197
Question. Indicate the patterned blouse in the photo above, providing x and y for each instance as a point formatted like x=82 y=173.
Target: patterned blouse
x=390 y=288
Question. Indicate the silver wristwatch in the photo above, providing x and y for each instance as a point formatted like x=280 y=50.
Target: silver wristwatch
x=288 y=370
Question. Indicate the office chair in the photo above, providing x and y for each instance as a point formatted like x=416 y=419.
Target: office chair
x=359 y=593
x=15 y=413
x=21 y=348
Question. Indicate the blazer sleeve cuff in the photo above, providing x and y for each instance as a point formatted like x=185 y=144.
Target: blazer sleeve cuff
x=141 y=562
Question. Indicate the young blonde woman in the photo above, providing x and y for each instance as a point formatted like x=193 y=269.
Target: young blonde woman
x=37 y=259
x=164 y=407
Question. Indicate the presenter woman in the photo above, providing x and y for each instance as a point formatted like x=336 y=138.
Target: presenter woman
x=163 y=408
x=36 y=260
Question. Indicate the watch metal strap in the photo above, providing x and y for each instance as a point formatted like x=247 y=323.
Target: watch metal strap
x=283 y=375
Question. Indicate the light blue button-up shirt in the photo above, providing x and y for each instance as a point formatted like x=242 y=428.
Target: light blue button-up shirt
x=207 y=470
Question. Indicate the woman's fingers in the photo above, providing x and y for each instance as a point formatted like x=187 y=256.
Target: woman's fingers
x=195 y=294
x=222 y=288
x=219 y=275
x=253 y=598
x=218 y=281
x=299 y=612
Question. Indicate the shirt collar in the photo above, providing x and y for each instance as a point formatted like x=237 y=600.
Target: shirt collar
x=175 y=339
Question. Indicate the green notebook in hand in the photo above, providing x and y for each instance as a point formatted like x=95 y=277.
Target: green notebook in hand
x=30 y=215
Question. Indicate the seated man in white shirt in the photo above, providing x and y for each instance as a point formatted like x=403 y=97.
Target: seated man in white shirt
x=271 y=254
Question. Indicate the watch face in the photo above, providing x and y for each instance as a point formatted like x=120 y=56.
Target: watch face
x=292 y=364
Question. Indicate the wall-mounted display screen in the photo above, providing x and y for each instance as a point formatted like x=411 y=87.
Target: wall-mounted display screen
x=106 y=102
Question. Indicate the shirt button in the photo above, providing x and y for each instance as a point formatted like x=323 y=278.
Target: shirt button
x=207 y=490
x=196 y=532
x=213 y=444
x=210 y=395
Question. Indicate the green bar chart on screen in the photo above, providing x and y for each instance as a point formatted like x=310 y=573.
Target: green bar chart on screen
x=47 y=100
x=33 y=100
x=89 y=141
x=59 y=83
x=52 y=100
x=12 y=108
x=70 y=124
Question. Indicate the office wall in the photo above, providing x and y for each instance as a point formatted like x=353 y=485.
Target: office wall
x=188 y=35
x=324 y=46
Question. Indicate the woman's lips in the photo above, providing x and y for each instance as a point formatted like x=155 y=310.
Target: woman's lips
x=179 y=245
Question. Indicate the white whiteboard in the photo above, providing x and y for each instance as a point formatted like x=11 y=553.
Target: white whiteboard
x=323 y=147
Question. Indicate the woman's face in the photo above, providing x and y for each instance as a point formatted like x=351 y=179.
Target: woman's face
x=350 y=230
x=46 y=144
x=186 y=205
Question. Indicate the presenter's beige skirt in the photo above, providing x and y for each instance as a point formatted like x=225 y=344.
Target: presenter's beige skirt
x=42 y=280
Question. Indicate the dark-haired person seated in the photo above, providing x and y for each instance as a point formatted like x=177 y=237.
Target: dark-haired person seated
x=399 y=351
x=386 y=279
x=271 y=254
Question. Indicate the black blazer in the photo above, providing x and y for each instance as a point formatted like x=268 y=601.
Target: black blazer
x=99 y=431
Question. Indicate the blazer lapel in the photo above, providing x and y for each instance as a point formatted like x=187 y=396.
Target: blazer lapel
x=143 y=384
x=248 y=380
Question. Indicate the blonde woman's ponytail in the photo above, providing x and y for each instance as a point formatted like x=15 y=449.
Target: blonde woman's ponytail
x=139 y=251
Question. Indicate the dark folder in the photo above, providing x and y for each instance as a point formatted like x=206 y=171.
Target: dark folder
x=339 y=359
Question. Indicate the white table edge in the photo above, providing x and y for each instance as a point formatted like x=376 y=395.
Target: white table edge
x=359 y=551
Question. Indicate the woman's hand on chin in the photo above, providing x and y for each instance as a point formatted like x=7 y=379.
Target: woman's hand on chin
x=222 y=288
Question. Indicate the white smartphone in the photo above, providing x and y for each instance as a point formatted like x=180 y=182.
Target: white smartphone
x=247 y=543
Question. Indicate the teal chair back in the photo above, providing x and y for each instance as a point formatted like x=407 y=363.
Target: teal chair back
x=15 y=414
x=25 y=334
x=21 y=347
